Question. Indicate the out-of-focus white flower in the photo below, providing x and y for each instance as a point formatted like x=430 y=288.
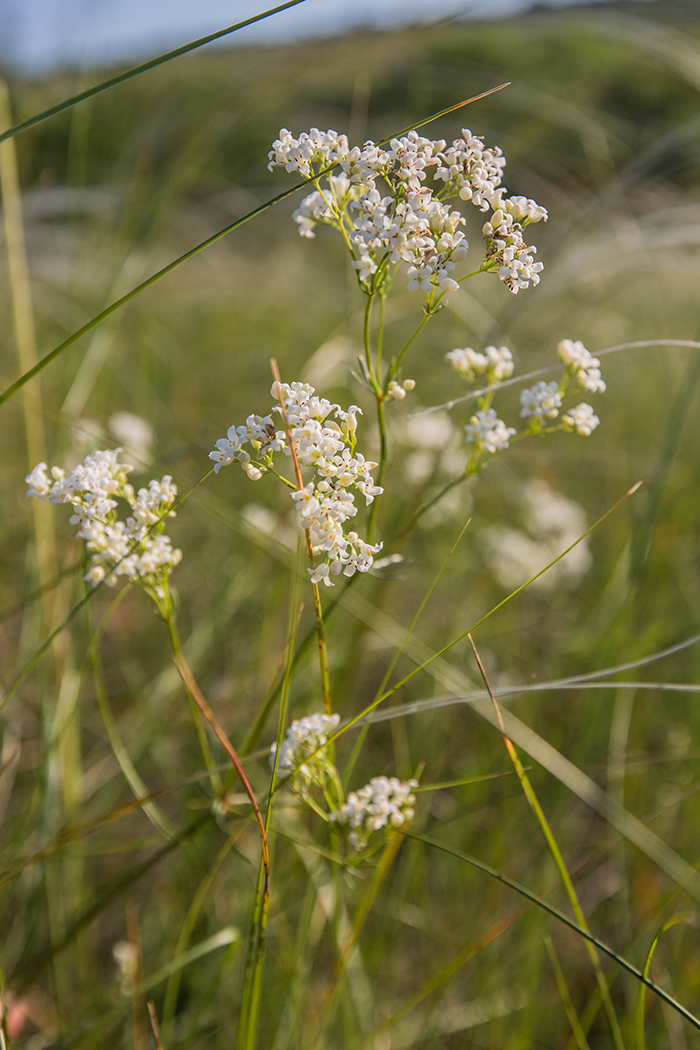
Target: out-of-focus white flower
x=126 y=957
x=553 y=523
x=397 y=392
x=303 y=754
x=134 y=434
x=468 y=363
x=488 y=431
x=384 y=802
x=582 y=419
x=541 y=401
x=582 y=365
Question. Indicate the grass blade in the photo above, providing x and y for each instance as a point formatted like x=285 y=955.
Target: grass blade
x=51 y=111
x=89 y=325
x=524 y=892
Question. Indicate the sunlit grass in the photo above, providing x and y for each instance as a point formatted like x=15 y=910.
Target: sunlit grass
x=598 y=126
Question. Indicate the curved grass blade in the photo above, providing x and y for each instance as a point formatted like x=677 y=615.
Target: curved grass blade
x=673 y=921
x=89 y=325
x=529 y=895
x=59 y=107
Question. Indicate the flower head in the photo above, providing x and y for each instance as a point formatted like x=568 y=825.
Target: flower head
x=384 y=802
x=303 y=755
x=582 y=419
x=541 y=401
x=488 y=431
x=135 y=548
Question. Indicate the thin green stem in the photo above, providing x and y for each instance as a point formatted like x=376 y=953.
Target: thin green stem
x=250 y=1005
x=383 y=452
x=104 y=85
x=394 y=366
x=19 y=383
x=645 y=972
x=561 y=917
x=556 y=855
x=366 y=336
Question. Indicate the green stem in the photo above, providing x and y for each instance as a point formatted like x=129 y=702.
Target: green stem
x=250 y=1005
x=366 y=334
x=645 y=973
x=557 y=857
x=383 y=451
x=393 y=368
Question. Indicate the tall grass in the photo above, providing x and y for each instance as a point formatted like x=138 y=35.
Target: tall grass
x=131 y=861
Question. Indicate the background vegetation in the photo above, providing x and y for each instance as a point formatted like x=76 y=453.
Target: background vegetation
x=601 y=126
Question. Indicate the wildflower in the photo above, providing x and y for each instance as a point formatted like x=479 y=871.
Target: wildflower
x=541 y=401
x=135 y=548
x=303 y=755
x=384 y=802
x=470 y=170
x=506 y=250
x=397 y=392
x=488 y=431
x=323 y=437
x=582 y=365
x=386 y=208
x=582 y=419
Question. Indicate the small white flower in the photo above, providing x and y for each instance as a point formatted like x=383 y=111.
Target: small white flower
x=303 y=754
x=384 y=801
x=541 y=401
x=583 y=366
x=488 y=431
x=582 y=419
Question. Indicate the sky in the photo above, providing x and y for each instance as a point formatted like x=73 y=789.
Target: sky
x=39 y=35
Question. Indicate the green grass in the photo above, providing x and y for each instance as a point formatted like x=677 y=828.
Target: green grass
x=600 y=125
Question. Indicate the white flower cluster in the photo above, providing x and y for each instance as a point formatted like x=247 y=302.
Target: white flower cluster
x=541 y=401
x=411 y=223
x=384 y=801
x=495 y=362
x=582 y=419
x=134 y=548
x=507 y=250
x=488 y=431
x=315 y=149
x=582 y=365
x=540 y=404
x=302 y=754
x=326 y=446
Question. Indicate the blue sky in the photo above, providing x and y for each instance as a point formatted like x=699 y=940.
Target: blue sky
x=36 y=35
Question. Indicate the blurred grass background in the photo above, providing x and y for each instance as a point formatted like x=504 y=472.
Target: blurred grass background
x=601 y=126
